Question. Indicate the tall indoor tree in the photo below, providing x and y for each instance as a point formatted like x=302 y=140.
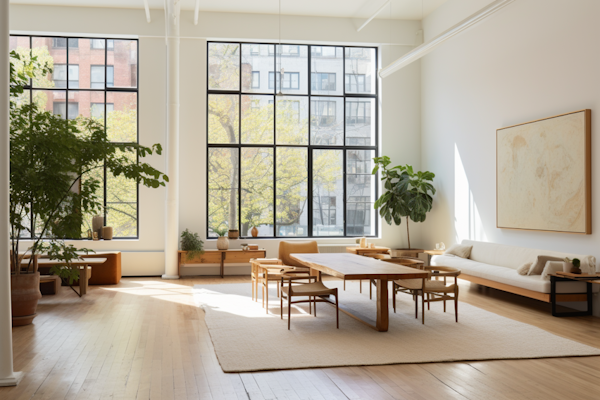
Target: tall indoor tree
x=407 y=193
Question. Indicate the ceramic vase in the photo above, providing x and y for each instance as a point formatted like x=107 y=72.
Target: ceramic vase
x=222 y=243
x=97 y=224
x=567 y=266
x=107 y=233
x=254 y=232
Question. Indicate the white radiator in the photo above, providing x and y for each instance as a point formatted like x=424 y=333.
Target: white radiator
x=334 y=248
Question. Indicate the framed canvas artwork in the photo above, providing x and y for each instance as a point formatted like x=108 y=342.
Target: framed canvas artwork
x=543 y=174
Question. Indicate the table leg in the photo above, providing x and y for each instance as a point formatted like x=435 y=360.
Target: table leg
x=383 y=314
x=222 y=263
x=317 y=273
x=83 y=279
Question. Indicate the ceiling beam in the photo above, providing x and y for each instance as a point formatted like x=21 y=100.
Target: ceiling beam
x=429 y=46
x=374 y=15
x=147 y=8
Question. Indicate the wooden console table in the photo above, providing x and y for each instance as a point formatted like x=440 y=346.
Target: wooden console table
x=220 y=257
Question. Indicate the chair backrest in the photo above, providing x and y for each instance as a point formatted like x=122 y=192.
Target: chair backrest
x=287 y=248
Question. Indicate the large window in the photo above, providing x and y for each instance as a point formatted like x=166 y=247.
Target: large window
x=82 y=84
x=291 y=164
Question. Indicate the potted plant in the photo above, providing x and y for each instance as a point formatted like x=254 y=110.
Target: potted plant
x=222 y=241
x=52 y=185
x=191 y=243
x=572 y=265
x=407 y=193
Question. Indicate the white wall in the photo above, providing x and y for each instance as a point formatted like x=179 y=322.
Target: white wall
x=533 y=59
x=399 y=108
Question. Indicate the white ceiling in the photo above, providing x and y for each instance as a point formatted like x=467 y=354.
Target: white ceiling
x=400 y=9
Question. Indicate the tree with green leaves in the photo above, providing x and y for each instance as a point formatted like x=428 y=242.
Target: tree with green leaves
x=408 y=194
x=52 y=165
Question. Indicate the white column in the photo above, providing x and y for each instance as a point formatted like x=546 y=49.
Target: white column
x=172 y=201
x=7 y=376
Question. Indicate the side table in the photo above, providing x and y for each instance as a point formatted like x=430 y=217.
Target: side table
x=570 y=297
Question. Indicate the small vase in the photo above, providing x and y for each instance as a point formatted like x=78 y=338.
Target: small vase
x=107 y=233
x=254 y=232
x=233 y=234
x=222 y=243
x=567 y=267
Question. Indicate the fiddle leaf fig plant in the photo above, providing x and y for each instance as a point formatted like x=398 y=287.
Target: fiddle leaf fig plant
x=407 y=193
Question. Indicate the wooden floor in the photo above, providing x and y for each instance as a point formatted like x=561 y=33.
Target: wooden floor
x=144 y=338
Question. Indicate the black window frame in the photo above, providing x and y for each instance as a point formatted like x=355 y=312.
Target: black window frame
x=344 y=147
x=56 y=39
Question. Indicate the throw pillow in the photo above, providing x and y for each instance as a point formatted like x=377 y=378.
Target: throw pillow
x=459 y=250
x=524 y=269
x=551 y=267
x=538 y=266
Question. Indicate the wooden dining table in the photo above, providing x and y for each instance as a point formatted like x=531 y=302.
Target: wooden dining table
x=354 y=267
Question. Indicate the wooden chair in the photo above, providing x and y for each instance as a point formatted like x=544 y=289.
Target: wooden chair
x=313 y=290
x=430 y=290
x=254 y=272
x=407 y=261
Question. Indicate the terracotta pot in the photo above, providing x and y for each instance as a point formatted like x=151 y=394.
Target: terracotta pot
x=222 y=243
x=254 y=232
x=25 y=293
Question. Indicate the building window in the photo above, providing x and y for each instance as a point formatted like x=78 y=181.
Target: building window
x=64 y=94
x=323 y=81
x=291 y=165
x=291 y=80
x=100 y=44
x=59 y=76
x=255 y=49
x=62 y=43
x=60 y=108
x=255 y=79
x=324 y=112
x=355 y=83
x=97 y=109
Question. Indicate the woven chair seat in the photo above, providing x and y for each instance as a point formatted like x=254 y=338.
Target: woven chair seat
x=309 y=289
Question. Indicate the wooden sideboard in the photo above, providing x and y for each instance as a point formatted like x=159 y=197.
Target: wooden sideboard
x=220 y=257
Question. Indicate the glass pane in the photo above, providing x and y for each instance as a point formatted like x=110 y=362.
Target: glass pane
x=360 y=76
x=86 y=65
x=223 y=167
x=257 y=61
x=292 y=191
x=86 y=104
x=360 y=193
x=292 y=120
x=257 y=191
x=294 y=61
x=124 y=62
x=328 y=193
x=327 y=69
x=20 y=45
x=51 y=100
x=257 y=119
x=223 y=66
x=121 y=202
x=95 y=176
x=360 y=122
x=121 y=117
x=327 y=121
x=52 y=51
x=223 y=118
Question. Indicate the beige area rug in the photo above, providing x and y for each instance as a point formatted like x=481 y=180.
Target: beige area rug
x=245 y=338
